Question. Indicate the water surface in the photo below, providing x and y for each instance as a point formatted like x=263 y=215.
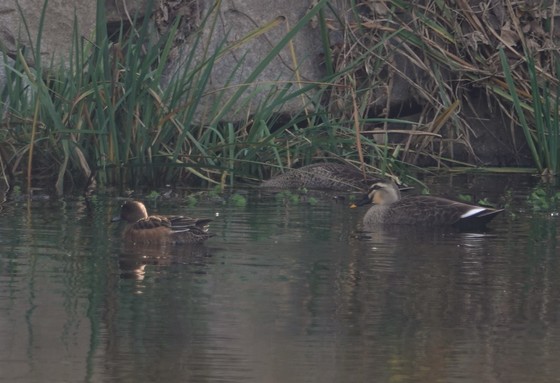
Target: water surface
x=285 y=292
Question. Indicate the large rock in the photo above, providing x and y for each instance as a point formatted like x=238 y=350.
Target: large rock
x=237 y=19
x=56 y=39
x=119 y=10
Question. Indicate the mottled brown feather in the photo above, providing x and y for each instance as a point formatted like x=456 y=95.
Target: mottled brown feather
x=322 y=176
x=142 y=228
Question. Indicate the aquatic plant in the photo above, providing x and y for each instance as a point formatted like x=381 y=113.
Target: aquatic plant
x=105 y=117
x=534 y=94
x=467 y=198
x=544 y=198
x=312 y=201
x=238 y=200
x=191 y=200
x=153 y=195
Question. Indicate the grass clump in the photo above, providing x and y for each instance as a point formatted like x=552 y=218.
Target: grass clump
x=287 y=196
x=238 y=200
x=442 y=55
x=104 y=118
x=534 y=95
x=544 y=199
x=191 y=200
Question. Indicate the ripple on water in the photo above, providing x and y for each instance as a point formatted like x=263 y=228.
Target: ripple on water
x=283 y=292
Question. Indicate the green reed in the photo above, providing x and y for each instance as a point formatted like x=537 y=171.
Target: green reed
x=536 y=106
x=104 y=115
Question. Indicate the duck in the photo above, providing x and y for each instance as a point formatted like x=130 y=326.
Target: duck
x=159 y=229
x=422 y=211
x=322 y=176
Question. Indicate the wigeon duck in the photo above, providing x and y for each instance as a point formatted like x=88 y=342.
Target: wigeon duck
x=159 y=229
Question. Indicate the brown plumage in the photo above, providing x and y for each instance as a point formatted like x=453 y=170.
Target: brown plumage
x=159 y=229
x=322 y=176
x=390 y=209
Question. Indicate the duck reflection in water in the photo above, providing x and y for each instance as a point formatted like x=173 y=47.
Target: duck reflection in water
x=135 y=260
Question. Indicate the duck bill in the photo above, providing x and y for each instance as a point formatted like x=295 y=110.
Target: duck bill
x=365 y=200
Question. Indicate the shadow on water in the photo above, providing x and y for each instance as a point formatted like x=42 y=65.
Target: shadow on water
x=284 y=292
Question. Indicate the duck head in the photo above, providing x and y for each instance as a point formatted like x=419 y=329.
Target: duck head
x=381 y=193
x=131 y=211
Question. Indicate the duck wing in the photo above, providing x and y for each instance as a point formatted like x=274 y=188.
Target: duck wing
x=151 y=222
x=436 y=211
x=181 y=223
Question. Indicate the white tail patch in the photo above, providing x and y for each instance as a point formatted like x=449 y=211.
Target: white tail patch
x=473 y=211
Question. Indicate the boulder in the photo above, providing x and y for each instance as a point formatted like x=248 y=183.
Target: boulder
x=56 y=38
x=235 y=21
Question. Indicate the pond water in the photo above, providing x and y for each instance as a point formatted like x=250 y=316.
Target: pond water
x=285 y=292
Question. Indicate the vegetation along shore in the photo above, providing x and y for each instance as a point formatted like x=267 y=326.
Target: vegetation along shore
x=172 y=98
